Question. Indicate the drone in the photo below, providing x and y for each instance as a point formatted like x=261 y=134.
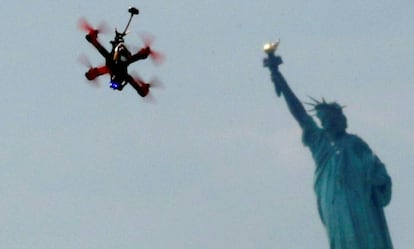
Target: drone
x=119 y=58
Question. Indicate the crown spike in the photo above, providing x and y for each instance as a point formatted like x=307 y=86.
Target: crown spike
x=317 y=102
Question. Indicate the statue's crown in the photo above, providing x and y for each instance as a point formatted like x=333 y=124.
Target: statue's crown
x=321 y=106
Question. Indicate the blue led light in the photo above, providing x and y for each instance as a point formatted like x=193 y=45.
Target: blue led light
x=114 y=85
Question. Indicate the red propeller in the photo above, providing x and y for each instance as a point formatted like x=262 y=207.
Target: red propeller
x=156 y=56
x=84 y=25
x=84 y=60
x=92 y=72
x=154 y=83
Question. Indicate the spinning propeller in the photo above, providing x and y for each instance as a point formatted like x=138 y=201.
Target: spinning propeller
x=84 y=25
x=154 y=83
x=93 y=72
x=156 y=56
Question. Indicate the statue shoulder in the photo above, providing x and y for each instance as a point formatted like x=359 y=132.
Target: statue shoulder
x=312 y=134
x=358 y=144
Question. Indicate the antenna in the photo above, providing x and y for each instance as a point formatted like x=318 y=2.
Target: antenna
x=133 y=11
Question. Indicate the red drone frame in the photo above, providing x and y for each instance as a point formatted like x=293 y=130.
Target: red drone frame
x=119 y=58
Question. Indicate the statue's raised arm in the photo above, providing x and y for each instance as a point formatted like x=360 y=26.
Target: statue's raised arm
x=282 y=88
x=351 y=183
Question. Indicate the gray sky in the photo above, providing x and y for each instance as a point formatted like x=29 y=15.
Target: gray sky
x=218 y=161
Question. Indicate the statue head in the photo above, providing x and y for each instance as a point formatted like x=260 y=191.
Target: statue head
x=330 y=116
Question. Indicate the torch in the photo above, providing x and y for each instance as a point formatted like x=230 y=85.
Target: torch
x=272 y=62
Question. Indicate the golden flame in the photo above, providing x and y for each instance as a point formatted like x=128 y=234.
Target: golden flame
x=270 y=47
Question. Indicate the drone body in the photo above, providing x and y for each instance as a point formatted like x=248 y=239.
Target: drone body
x=118 y=59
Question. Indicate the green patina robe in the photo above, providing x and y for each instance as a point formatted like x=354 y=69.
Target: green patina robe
x=352 y=187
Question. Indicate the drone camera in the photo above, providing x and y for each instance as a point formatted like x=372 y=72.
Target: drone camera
x=133 y=11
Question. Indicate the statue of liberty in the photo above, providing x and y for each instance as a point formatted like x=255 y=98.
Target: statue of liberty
x=351 y=184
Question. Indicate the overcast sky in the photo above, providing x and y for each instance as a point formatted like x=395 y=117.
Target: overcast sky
x=217 y=162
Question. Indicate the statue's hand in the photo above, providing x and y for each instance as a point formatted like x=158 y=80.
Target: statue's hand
x=272 y=61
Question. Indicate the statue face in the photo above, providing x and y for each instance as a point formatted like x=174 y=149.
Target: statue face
x=332 y=121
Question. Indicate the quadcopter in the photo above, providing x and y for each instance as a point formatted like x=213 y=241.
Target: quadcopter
x=119 y=58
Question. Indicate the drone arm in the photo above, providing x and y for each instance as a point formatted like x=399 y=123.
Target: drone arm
x=140 y=55
x=96 y=71
x=94 y=41
x=141 y=87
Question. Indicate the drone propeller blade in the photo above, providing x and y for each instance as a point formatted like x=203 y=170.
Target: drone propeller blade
x=84 y=25
x=153 y=83
x=147 y=38
x=149 y=98
x=84 y=60
x=156 y=83
x=92 y=73
x=103 y=28
x=156 y=56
